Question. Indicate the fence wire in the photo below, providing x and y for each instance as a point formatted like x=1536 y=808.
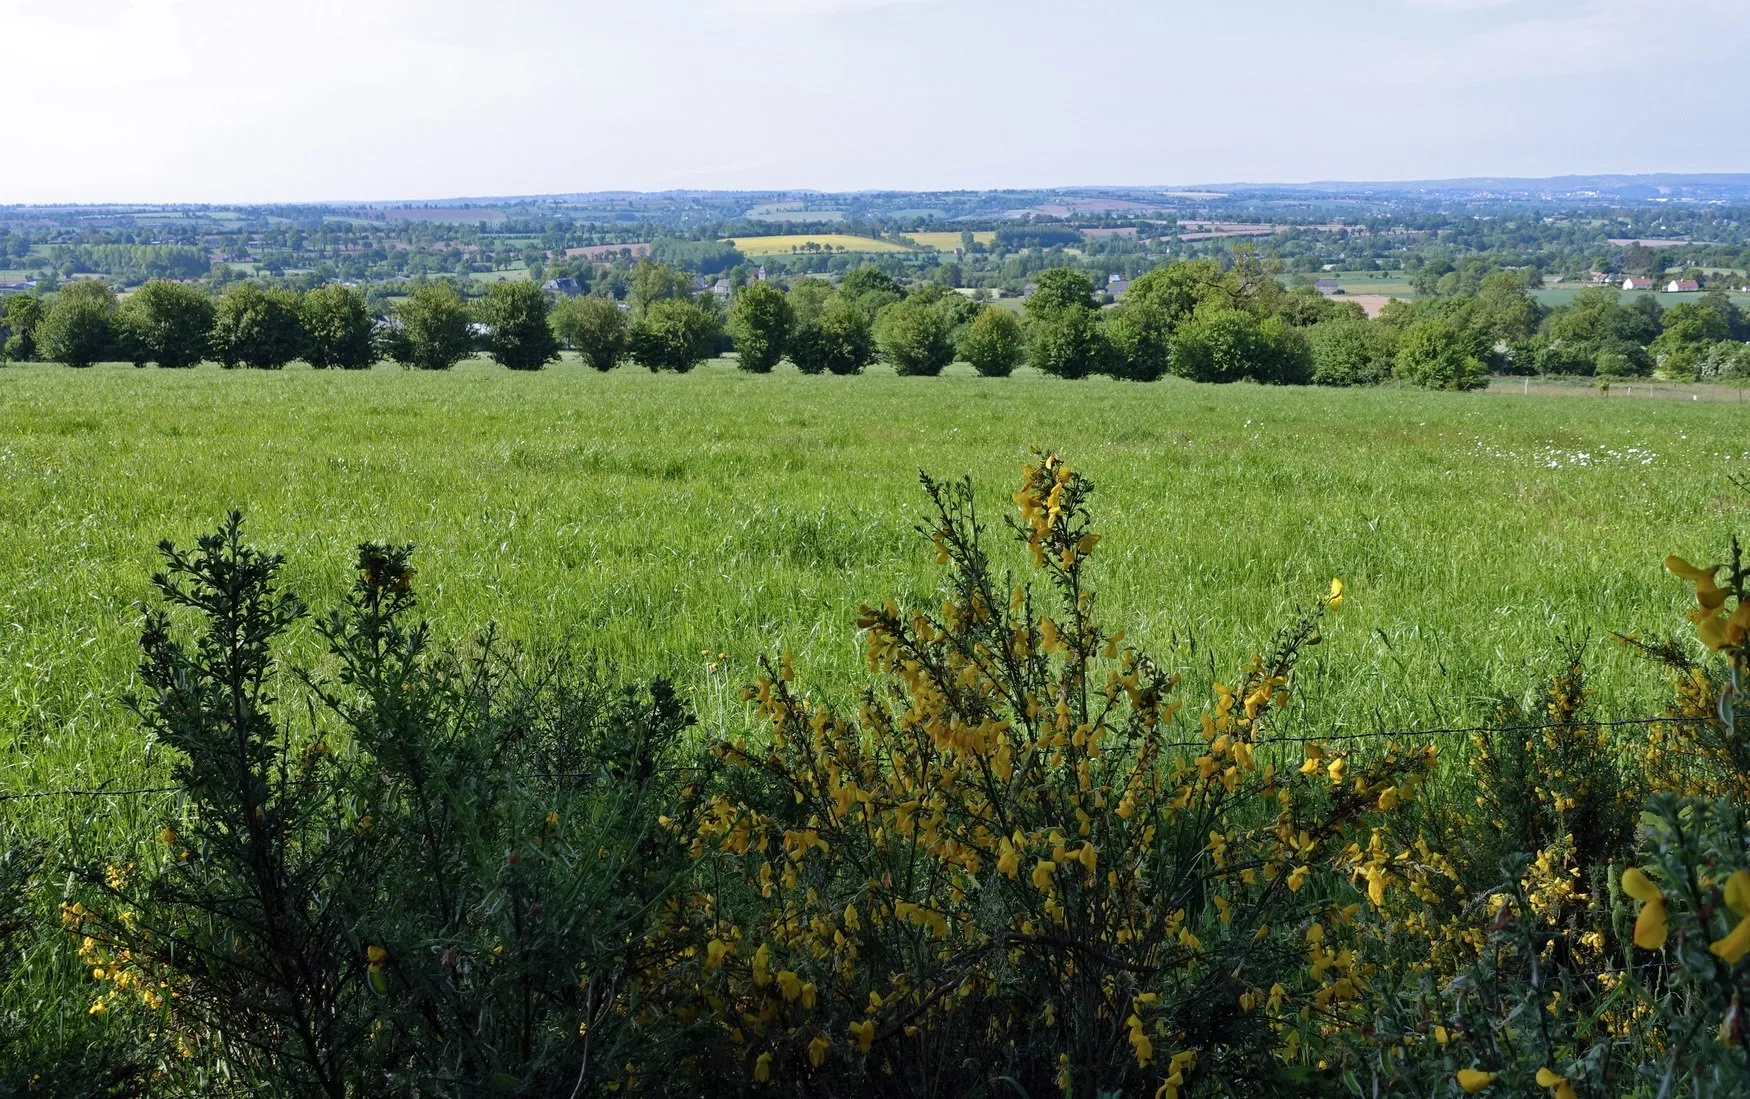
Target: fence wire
x=1374 y=735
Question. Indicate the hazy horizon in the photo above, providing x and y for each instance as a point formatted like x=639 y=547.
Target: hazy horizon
x=391 y=100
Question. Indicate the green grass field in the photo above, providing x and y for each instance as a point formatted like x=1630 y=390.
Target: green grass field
x=655 y=517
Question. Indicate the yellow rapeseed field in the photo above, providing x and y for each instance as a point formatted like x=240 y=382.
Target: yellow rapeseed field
x=787 y=243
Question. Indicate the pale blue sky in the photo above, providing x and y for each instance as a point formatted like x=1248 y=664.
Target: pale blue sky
x=228 y=101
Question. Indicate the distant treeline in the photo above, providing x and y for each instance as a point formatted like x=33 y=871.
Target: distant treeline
x=131 y=263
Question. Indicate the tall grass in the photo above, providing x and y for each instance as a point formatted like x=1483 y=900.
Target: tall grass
x=669 y=517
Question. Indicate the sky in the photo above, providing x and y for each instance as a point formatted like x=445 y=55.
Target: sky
x=374 y=100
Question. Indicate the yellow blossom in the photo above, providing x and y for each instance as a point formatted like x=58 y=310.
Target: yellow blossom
x=1474 y=1080
x=1549 y=1078
x=1042 y=874
x=864 y=1033
x=1736 y=944
x=1650 y=927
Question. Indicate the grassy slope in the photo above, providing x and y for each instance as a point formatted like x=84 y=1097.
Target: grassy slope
x=653 y=517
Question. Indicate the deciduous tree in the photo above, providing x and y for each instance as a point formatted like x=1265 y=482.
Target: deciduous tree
x=1065 y=338
x=169 y=323
x=22 y=315
x=673 y=334
x=916 y=336
x=837 y=340
x=338 y=328
x=434 y=328
x=993 y=342
x=80 y=326
x=517 y=333
x=594 y=327
x=760 y=320
x=1437 y=354
x=256 y=327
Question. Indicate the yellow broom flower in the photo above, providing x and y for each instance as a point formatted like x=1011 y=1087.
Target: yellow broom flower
x=1736 y=944
x=1650 y=926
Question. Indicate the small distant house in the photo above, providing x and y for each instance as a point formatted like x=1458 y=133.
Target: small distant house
x=759 y=274
x=566 y=286
x=1599 y=278
x=1554 y=279
x=1328 y=286
x=17 y=287
x=721 y=289
x=1683 y=286
x=1116 y=284
x=1632 y=283
x=699 y=284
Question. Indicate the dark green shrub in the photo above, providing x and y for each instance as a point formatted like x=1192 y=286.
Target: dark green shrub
x=446 y=878
x=23 y=313
x=1284 y=358
x=1142 y=339
x=1438 y=354
x=1064 y=335
x=1218 y=345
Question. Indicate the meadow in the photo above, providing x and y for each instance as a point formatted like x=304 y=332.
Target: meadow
x=665 y=520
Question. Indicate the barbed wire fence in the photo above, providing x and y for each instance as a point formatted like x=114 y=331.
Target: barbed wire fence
x=1377 y=735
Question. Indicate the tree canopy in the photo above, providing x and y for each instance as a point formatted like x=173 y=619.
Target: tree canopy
x=594 y=327
x=517 y=333
x=256 y=327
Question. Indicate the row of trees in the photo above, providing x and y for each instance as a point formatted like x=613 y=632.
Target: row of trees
x=1198 y=320
x=179 y=325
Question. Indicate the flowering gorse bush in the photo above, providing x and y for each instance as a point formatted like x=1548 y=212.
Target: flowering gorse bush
x=1604 y=956
x=1014 y=862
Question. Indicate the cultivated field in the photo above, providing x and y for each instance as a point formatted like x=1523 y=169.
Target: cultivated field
x=947 y=242
x=784 y=244
x=658 y=517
